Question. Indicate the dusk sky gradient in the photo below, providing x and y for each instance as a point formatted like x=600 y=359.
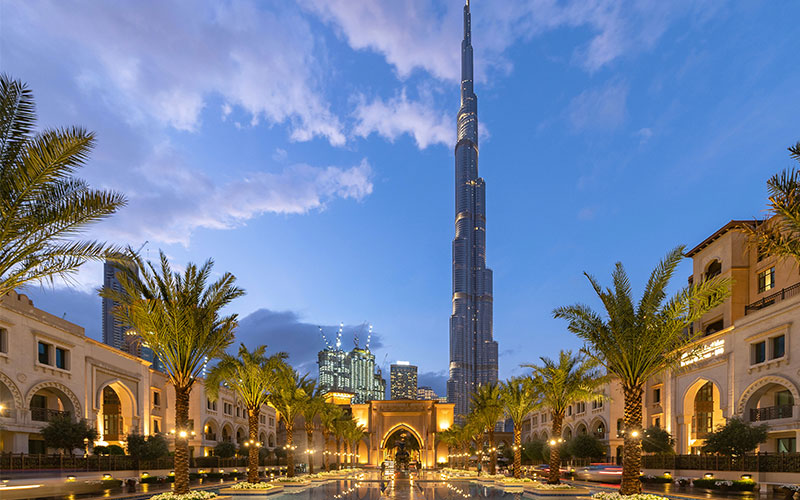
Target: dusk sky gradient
x=308 y=148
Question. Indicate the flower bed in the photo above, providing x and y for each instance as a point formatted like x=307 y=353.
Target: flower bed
x=544 y=486
x=616 y=496
x=513 y=480
x=722 y=484
x=252 y=486
x=655 y=479
x=192 y=495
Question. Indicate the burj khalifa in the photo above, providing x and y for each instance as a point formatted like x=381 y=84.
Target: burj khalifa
x=473 y=351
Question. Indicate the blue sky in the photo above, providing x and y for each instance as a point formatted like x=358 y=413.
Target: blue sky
x=308 y=148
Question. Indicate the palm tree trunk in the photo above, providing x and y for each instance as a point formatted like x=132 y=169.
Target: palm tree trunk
x=325 y=461
x=632 y=446
x=338 y=455
x=252 y=453
x=310 y=446
x=555 y=452
x=181 y=443
x=289 y=450
x=492 y=453
x=517 y=451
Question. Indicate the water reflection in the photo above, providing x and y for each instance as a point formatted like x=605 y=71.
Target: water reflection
x=401 y=490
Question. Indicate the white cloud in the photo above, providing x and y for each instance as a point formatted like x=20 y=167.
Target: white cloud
x=169 y=201
x=163 y=61
x=399 y=115
x=424 y=34
x=599 y=109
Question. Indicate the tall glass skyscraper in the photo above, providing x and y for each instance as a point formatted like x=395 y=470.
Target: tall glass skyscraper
x=473 y=351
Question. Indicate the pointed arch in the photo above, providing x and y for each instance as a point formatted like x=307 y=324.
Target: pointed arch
x=52 y=384
x=404 y=426
x=13 y=389
x=762 y=382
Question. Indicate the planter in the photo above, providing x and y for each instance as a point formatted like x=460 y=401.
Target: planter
x=231 y=493
x=564 y=492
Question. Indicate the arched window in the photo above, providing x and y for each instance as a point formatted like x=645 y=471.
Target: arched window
x=600 y=430
x=713 y=269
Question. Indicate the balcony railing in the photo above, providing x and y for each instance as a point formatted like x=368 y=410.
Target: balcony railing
x=46 y=414
x=785 y=293
x=700 y=434
x=770 y=413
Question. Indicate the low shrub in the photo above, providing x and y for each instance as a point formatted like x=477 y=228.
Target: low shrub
x=110 y=483
x=722 y=484
x=152 y=480
x=655 y=479
x=192 y=495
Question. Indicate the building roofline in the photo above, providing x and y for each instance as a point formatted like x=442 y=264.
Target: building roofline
x=719 y=232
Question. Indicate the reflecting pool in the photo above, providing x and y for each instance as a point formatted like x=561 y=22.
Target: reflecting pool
x=400 y=489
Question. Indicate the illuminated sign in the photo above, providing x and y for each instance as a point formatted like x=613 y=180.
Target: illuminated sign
x=710 y=350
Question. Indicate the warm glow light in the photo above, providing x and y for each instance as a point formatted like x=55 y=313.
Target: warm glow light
x=635 y=434
x=552 y=442
x=182 y=434
x=708 y=475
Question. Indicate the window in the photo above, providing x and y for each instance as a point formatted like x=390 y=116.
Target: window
x=62 y=358
x=784 y=398
x=156 y=426
x=657 y=395
x=271 y=422
x=535 y=420
x=262 y=420
x=3 y=340
x=657 y=422
x=766 y=280
x=227 y=408
x=597 y=403
x=157 y=399
x=714 y=269
x=787 y=445
x=580 y=407
x=759 y=352
x=714 y=327
x=211 y=405
x=569 y=411
x=778 y=346
x=44 y=353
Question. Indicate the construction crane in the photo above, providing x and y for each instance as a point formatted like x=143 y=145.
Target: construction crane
x=369 y=336
x=324 y=338
x=339 y=336
x=355 y=335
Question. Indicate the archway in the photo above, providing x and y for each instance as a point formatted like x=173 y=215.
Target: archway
x=581 y=429
x=768 y=398
x=10 y=396
x=117 y=412
x=210 y=430
x=240 y=435
x=49 y=400
x=401 y=437
x=567 y=433
x=227 y=433
x=599 y=428
x=702 y=412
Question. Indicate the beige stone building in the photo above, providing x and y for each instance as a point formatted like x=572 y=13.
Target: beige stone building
x=601 y=418
x=746 y=363
x=49 y=367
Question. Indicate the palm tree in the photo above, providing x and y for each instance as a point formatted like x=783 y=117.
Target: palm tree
x=42 y=206
x=340 y=429
x=781 y=236
x=488 y=410
x=449 y=437
x=638 y=341
x=328 y=417
x=312 y=406
x=251 y=375
x=518 y=399
x=559 y=384
x=178 y=317
x=355 y=433
x=288 y=398
x=465 y=437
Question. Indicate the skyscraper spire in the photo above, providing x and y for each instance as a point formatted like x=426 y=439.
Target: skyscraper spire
x=473 y=351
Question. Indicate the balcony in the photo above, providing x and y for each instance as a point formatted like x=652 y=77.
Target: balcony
x=785 y=293
x=47 y=415
x=770 y=413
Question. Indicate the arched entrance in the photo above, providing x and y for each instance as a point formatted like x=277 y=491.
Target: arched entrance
x=402 y=443
x=117 y=413
x=702 y=412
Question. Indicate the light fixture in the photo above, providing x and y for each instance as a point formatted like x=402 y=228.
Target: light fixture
x=708 y=475
x=635 y=434
x=747 y=477
x=182 y=434
x=70 y=479
x=107 y=476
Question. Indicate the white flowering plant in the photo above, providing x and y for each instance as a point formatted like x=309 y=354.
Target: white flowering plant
x=295 y=479
x=616 y=496
x=192 y=495
x=252 y=486
x=561 y=486
x=513 y=480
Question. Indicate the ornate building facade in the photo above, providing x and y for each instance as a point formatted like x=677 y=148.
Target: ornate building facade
x=48 y=368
